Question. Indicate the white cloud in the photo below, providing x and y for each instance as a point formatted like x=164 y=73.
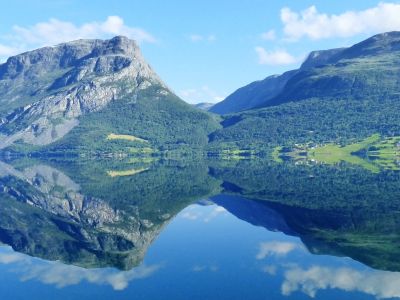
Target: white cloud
x=56 y=31
x=269 y=35
x=275 y=57
x=380 y=284
x=201 y=38
x=275 y=248
x=315 y=25
x=202 y=94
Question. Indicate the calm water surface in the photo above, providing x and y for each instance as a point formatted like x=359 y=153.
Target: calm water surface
x=74 y=230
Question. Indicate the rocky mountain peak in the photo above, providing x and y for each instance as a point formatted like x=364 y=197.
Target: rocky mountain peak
x=34 y=63
x=44 y=91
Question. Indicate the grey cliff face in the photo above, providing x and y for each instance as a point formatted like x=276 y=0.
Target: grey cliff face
x=43 y=92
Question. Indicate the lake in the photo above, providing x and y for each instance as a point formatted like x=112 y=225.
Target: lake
x=203 y=229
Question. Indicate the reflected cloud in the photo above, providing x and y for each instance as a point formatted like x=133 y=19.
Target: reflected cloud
x=60 y=275
x=215 y=213
x=271 y=270
x=191 y=213
x=9 y=258
x=275 y=248
x=202 y=268
x=381 y=284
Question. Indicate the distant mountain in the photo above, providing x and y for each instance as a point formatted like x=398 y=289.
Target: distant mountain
x=204 y=105
x=92 y=88
x=337 y=96
x=368 y=69
x=260 y=92
x=363 y=70
x=253 y=95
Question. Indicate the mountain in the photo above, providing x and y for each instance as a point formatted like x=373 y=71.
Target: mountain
x=257 y=93
x=204 y=105
x=56 y=93
x=253 y=95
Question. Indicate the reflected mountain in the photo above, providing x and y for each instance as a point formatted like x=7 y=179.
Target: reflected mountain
x=368 y=237
x=111 y=223
x=341 y=211
x=106 y=213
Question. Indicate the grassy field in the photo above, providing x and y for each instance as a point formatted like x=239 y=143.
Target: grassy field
x=333 y=154
x=125 y=137
x=373 y=153
x=386 y=153
x=130 y=172
x=276 y=154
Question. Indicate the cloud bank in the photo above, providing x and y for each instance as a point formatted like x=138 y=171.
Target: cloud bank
x=55 y=31
x=310 y=23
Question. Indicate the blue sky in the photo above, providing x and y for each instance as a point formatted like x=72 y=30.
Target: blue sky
x=203 y=50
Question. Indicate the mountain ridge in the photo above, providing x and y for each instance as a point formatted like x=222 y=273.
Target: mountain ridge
x=91 y=89
x=360 y=60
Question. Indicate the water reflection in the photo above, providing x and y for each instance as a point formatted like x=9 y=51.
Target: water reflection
x=61 y=275
x=310 y=280
x=78 y=224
